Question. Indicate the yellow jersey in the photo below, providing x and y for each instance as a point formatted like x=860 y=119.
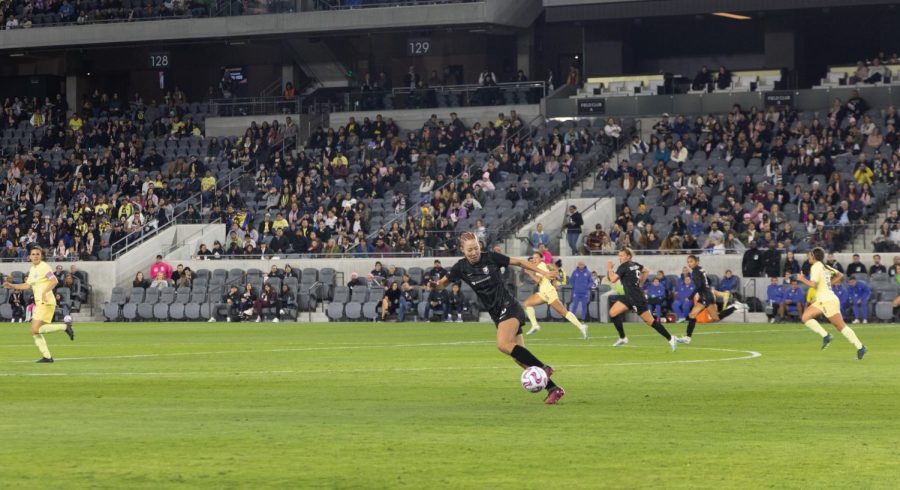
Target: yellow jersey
x=545 y=285
x=40 y=279
x=821 y=274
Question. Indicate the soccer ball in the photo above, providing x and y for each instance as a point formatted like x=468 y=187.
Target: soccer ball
x=670 y=318
x=67 y=319
x=534 y=379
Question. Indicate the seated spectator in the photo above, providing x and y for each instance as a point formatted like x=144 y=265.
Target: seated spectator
x=702 y=80
x=594 y=240
x=684 y=298
x=538 y=237
x=139 y=281
x=656 y=296
x=268 y=298
x=409 y=299
x=546 y=255
x=775 y=298
x=856 y=267
x=456 y=302
x=723 y=78
x=17 y=303
x=390 y=302
x=793 y=300
x=435 y=301
x=247 y=302
x=203 y=253
x=728 y=283
x=160 y=282
x=860 y=293
x=877 y=267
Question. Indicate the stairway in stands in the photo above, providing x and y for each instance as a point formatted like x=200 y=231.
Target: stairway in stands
x=862 y=241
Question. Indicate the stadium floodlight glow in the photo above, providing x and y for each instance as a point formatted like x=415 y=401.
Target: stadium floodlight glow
x=729 y=15
x=16 y=55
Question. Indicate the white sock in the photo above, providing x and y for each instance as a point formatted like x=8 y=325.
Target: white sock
x=42 y=345
x=815 y=327
x=52 y=327
x=850 y=335
x=530 y=312
x=573 y=319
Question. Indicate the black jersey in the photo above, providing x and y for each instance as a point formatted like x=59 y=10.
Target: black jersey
x=486 y=279
x=630 y=276
x=698 y=277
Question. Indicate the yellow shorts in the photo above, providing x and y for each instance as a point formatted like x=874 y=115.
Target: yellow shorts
x=43 y=312
x=828 y=307
x=549 y=296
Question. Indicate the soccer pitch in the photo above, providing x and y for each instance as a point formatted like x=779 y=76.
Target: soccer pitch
x=363 y=405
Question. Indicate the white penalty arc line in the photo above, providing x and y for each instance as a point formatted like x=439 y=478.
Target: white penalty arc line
x=749 y=354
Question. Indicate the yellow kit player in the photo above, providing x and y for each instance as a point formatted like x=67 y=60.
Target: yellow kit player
x=41 y=281
x=827 y=303
x=547 y=295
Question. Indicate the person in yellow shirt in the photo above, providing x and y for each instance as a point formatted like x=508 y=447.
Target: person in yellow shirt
x=827 y=303
x=75 y=123
x=41 y=281
x=547 y=295
x=280 y=222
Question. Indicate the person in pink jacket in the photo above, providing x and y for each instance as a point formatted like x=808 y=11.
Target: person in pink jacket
x=160 y=266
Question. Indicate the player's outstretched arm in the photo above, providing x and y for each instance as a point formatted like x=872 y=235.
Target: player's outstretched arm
x=20 y=287
x=644 y=274
x=528 y=266
x=440 y=284
x=611 y=273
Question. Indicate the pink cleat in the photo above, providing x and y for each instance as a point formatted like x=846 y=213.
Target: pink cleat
x=554 y=396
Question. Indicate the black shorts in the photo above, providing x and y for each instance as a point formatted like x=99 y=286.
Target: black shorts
x=706 y=298
x=513 y=310
x=635 y=303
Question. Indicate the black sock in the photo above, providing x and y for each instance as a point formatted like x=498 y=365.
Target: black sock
x=692 y=322
x=524 y=356
x=726 y=312
x=661 y=329
x=550 y=384
x=617 y=322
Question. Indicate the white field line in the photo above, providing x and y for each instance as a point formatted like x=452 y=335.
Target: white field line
x=749 y=354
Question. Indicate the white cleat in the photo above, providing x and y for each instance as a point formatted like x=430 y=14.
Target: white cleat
x=738 y=306
x=621 y=342
x=865 y=321
x=855 y=321
x=772 y=320
x=228 y=319
x=533 y=329
x=673 y=342
x=258 y=319
x=684 y=340
x=584 y=331
x=275 y=320
x=212 y=319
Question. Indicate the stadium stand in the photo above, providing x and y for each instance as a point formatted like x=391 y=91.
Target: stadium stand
x=775 y=179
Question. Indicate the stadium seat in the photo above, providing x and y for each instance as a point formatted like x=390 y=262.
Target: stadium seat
x=151 y=297
x=161 y=311
x=353 y=311
x=145 y=311
x=167 y=296
x=341 y=295
x=192 y=311
x=335 y=311
x=111 y=312
x=129 y=311
x=117 y=296
x=176 y=311
x=6 y=312
x=136 y=296
x=183 y=295
x=207 y=310
x=358 y=295
x=884 y=311
x=370 y=310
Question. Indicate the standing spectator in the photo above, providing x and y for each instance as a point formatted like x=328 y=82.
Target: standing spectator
x=856 y=267
x=581 y=282
x=574 y=222
x=539 y=237
x=860 y=292
x=546 y=256
x=160 y=266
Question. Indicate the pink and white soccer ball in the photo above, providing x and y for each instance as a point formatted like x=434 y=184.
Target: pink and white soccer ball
x=534 y=379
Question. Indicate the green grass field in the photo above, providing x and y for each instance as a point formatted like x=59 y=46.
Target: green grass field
x=365 y=405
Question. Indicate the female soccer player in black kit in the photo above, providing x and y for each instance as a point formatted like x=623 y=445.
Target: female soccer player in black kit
x=632 y=276
x=481 y=271
x=706 y=300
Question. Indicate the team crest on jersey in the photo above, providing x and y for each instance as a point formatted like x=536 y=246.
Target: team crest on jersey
x=485 y=269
